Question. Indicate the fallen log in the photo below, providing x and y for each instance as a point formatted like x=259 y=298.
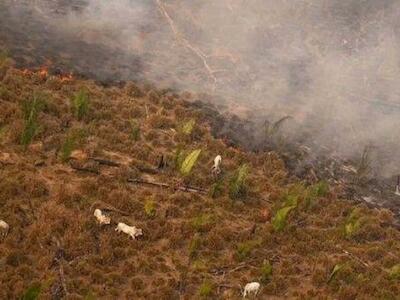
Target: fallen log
x=189 y=189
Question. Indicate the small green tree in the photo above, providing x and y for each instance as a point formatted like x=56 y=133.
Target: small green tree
x=394 y=272
x=187 y=127
x=32 y=293
x=353 y=224
x=266 y=271
x=31 y=110
x=189 y=162
x=238 y=184
x=135 y=130
x=205 y=289
x=80 y=103
x=150 y=208
x=335 y=270
x=279 y=220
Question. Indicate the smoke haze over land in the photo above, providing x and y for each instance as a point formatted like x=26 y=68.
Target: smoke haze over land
x=333 y=65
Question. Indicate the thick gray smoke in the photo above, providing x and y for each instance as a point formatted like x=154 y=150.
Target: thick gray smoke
x=333 y=65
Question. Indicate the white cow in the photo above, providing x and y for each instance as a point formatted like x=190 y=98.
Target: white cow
x=102 y=219
x=251 y=288
x=129 y=230
x=4 y=228
x=216 y=169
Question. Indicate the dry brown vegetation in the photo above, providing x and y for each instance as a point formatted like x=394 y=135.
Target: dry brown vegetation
x=194 y=245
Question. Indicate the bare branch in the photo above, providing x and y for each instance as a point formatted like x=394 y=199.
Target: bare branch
x=179 y=37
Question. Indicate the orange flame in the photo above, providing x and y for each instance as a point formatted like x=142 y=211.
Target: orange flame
x=66 y=78
x=43 y=72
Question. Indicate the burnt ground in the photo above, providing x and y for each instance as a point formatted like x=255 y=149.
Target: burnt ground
x=303 y=160
x=201 y=240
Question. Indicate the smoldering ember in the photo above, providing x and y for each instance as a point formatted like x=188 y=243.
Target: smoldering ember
x=175 y=149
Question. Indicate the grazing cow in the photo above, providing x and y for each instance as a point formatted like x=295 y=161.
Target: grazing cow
x=129 y=230
x=102 y=219
x=216 y=169
x=251 y=288
x=4 y=228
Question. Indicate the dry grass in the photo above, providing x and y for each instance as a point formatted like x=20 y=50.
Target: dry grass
x=194 y=245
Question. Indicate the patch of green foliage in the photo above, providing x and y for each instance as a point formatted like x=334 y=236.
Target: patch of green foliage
x=90 y=296
x=206 y=289
x=266 y=271
x=31 y=110
x=394 y=272
x=150 y=208
x=80 y=103
x=216 y=188
x=189 y=162
x=244 y=249
x=32 y=293
x=201 y=222
x=238 y=183
x=178 y=157
x=320 y=189
x=187 y=127
x=335 y=270
x=73 y=138
x=135 y=130
x=291 y=200
x=353 y=224
x=194 y=245
x=280 y=218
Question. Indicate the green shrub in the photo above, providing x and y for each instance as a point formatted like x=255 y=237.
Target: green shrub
x=320 y=189
x=72 y=140
x=67 y=148
x=189 y=162
x=266 y=271
x=244 y=249
x=335 y=270
x=216 y=189
x=80 y=104
x=206 y=289
x=178 y=158
x=89 y=296
x=194 y=245
x=238 y=184
x=31 y=111
x=150 y=208
x=353 y=224
x=135 y=130
x=394 y=272
x=187 y=128
x=279 y=220
x=201 y=222
x=32 y=293
x=291 y=200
